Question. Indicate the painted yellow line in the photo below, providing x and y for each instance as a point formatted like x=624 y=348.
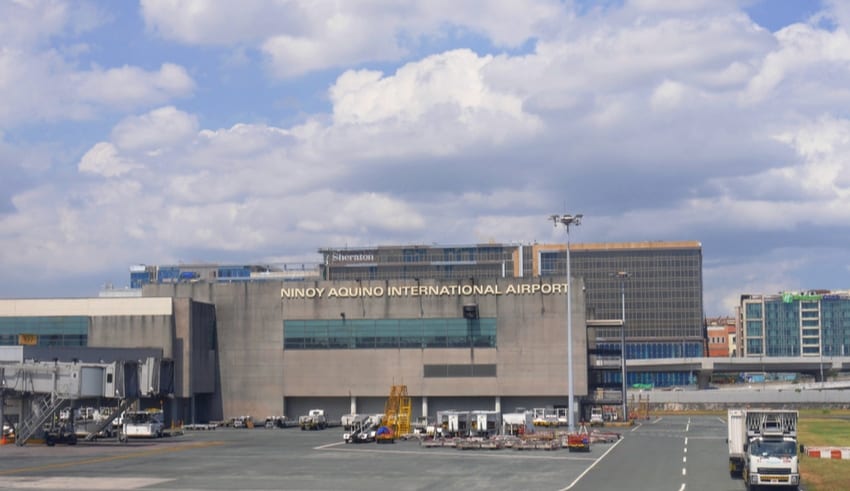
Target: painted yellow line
x=99 y=460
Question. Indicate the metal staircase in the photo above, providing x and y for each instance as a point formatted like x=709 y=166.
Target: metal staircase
x=44 y=407
x=125 y=404
x=397 y=411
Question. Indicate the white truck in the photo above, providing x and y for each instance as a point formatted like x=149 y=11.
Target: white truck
x=314 y=420
x=596 y=416
x=763 y=447
x=142 y=424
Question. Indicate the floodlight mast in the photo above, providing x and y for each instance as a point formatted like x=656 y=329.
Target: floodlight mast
x=623 y=276
x=566 y=221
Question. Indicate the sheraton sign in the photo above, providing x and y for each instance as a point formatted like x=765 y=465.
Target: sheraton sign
x=423 y=291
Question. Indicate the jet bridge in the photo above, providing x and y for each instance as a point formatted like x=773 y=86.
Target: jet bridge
x=44 y=388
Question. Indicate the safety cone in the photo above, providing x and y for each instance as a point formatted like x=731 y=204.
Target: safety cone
x=2 y=439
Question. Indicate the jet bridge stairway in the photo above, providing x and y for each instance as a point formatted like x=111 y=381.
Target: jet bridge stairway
x=125 y=404
x=44 y=407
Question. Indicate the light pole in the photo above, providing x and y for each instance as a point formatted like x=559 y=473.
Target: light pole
x=566 y=221
x=623 y=276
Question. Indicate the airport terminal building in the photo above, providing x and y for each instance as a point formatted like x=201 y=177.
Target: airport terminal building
x=463 y=327
x=286 y=347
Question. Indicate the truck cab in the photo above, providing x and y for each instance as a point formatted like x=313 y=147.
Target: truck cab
x=771 y=458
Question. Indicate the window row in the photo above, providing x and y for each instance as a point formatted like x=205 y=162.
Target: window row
x=645 y=351
x=47 y=339
x=44 y=325
x=470 y=370
x=390 y=333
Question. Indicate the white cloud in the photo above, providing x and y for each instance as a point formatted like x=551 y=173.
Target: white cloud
x=39 y=76
x=679 y=7
x=435 y=106
x=163 y=127
x=658 y=119
x=824 y=146
x=219 y=23
x=453 y=78
x=40 y=82
x=803 y=51
x=129 y=86
x=668 y=95
x=27 y=23
x=303 y=36
x=103 y=160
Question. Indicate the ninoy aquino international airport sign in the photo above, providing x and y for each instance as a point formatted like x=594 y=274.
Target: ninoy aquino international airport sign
x=424 y=290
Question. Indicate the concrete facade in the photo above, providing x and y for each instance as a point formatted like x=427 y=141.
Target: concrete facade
x=259 y=377
x=181 y=329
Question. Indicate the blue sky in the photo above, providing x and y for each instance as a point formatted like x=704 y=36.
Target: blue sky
x=161 y=132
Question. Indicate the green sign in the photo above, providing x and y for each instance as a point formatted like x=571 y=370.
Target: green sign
x=790 y=297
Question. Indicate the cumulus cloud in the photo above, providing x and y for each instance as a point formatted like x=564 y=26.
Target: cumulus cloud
x=33 y=22
x=103 y=159
x=129 y=86
x=48 y=85
x=302 y=36
x=446 y=95
x=802 y=51
x=153 y=131
x=658 y=119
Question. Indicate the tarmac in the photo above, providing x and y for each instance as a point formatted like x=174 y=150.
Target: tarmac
x=287 y=459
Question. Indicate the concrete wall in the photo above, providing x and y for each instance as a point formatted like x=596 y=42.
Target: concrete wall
x=133 y=331
x=257 y=375
x=186 y=336
x=92 y=307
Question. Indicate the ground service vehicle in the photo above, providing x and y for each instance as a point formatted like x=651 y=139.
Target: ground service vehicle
x=313 y=420
x=579 y=441
x=142 y=424
x=60 y=433
x=763 y=447
x=596 y=418
x=364 y=431
x=244 y=421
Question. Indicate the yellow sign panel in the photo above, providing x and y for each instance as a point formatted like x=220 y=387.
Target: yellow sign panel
x=27 y=339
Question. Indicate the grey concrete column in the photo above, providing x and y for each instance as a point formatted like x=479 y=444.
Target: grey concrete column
x=2 y=403
x=498 y=404
x=425 y=406
x=353 y=404
x=704 y=379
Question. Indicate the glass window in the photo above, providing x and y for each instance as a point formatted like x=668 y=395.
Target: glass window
x=389 y=333
x=754 y=328
x=386 y=333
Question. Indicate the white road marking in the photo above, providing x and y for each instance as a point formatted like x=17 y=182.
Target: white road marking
x=86 y=483
x=592 y=466
x=682 y=488
x=684 y=460
x=684 y=471
x=364 y=448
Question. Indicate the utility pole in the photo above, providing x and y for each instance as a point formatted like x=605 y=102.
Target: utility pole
x=566 y=221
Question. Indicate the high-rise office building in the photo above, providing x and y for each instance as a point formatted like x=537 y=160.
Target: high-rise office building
x=814 y=323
